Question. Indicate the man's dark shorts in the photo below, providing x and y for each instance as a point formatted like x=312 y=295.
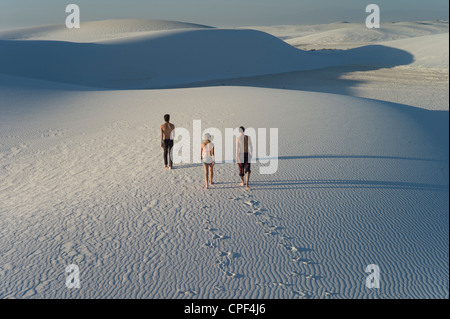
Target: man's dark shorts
x=168 y=144
x=244 y=168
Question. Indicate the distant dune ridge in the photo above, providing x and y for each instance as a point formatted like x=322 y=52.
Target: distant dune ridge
x=344 y=35
x=155 y=59
x=151 y=54
x=92 y=31
x=360 y=180
x=430 y=51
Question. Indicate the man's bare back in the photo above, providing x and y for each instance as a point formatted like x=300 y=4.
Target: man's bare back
x=166 y=131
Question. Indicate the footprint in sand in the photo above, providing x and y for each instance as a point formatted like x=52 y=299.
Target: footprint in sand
x=271 y=229
x=233 y=275
x=229 y=257
x=251 y=203
x=313 y=277
x=209 y=245
x=229 y=254
x=222 y=264
x=270 y=233
x=225 y=258
x=222 y=254
x=303 y=261
x=254 y=212
x=241 y=197
x=210 y=229
x=219 y=288
x=301 y=294
x=275 y=227
x=219 y=237
x=188 y=293
x=285 y=237
x=307 y=276
x=294 y=249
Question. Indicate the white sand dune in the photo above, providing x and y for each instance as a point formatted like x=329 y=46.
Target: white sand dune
x=344 y=35
x=178 y=57
x=360 y=181
x=155 y=59
x=430 y=52
x=419 y=78
x=139 y=59
x=93 y=31
x=422 y=81
x=427 y=40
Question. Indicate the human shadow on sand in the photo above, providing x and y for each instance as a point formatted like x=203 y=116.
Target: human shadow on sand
x=331 y=156
x=334 y=183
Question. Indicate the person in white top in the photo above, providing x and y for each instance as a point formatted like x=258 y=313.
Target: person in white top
x=244 y=151
x=207 y=156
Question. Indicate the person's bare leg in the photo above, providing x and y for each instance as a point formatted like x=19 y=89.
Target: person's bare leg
x=211 y=174
x=242 y=180
x=206 y=176
x=248 y=180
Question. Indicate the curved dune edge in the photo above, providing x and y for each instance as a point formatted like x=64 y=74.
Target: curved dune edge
x=94 y=31
x=177 y=58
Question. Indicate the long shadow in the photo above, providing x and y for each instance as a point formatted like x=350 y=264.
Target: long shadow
x=436 y=123
x=184 y=166
x=356 y=157
x=323 y=156
x=286 y=184
x=332 y=183
x=324 y=80
x=328 y=78
x=75 y=63
x=295 y=184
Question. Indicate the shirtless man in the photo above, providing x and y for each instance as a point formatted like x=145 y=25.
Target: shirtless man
x=167 y=140
x=244 y=152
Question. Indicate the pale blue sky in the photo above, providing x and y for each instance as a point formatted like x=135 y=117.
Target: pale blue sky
x=222 y=13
